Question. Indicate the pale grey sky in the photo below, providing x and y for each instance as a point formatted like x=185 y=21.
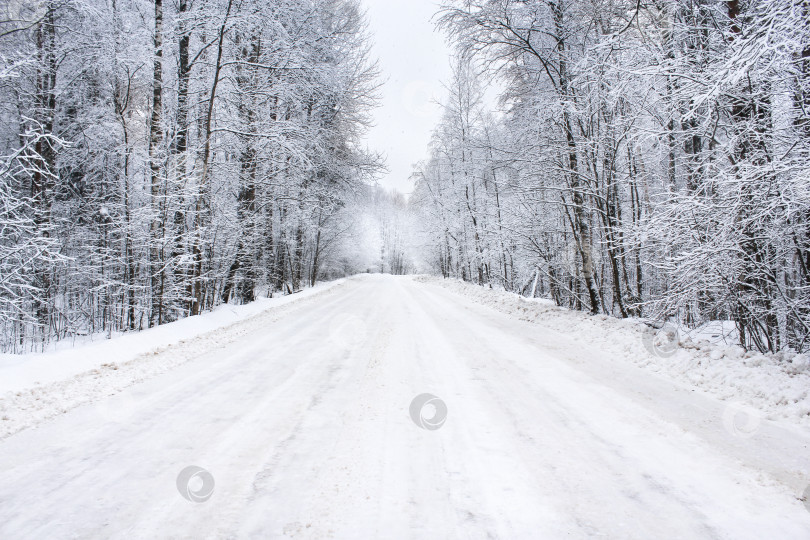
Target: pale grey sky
x=415 y=62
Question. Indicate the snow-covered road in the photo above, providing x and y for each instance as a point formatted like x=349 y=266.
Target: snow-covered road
x=305 y=430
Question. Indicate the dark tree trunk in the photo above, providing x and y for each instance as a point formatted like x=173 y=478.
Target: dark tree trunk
x=155 y=141
x=42 y=184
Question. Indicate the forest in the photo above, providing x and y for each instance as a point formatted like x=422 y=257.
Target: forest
x=645 y=158
x=158 y=158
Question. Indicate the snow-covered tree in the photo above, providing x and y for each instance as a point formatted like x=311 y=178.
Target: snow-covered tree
x=650 y=158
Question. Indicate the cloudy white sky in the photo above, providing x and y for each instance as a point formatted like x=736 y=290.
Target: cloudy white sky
x=415 y=62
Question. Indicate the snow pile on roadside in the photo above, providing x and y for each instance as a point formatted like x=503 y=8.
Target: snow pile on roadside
x=24 y=371
x=37 y=387
x=776 y=384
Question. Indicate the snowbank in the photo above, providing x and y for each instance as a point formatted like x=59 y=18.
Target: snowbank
x=36 y=387
x=778 y=385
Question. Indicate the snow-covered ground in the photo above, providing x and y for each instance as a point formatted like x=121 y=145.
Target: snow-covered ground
x=308 y=421
x=773 y=386
x=36 y=387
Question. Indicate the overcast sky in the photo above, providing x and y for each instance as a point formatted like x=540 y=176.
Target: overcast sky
x=415 y=62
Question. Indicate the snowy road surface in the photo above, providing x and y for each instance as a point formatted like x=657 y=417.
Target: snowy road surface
x=305 y=430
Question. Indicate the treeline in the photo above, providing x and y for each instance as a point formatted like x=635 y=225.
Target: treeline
x=159 y=158
x=392 y=221
x=648 y=159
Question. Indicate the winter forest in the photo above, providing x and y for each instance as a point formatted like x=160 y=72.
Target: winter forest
x=643 y=158
x=160 y=157
x=651 y=159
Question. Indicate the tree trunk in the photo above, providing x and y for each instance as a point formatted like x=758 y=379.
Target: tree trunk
x=45 y=161
x=155 y=141
x=582 y=232
x=203 y=206
x=181 y=151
